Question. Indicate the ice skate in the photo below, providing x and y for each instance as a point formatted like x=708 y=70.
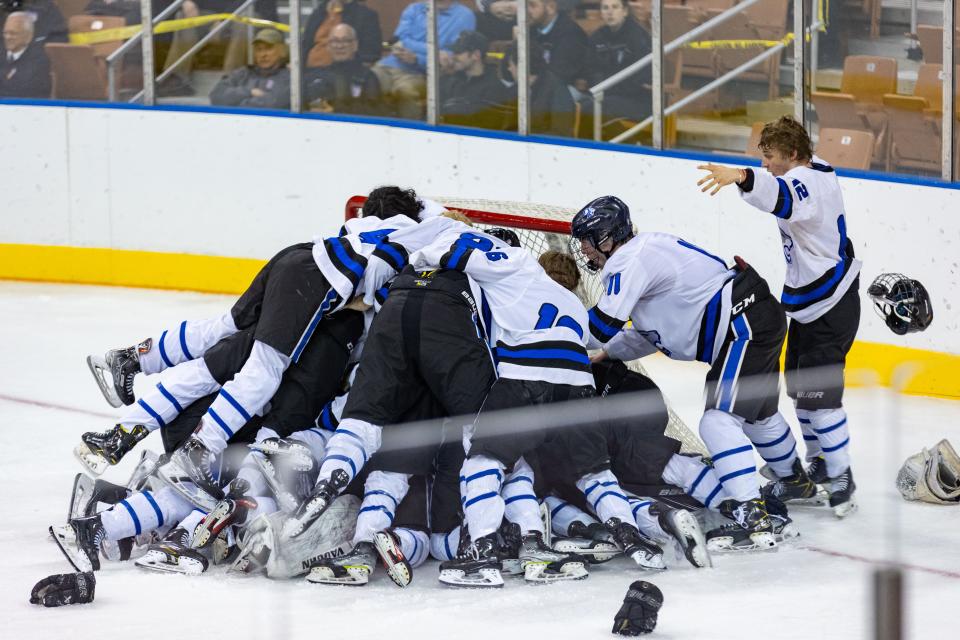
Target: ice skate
x=592 y=542
x=353 y=569
x=296 y=455
x=391 y=555
x=79 y=541
x=477 y=563
x=313 y=507
x=99 y=450
x=115 y=371
x=174 y=475
x=683 y=527
x=173 y=555
x=751 y=529
x=232 y=510
x=542 y=565
x=841 y=491
x=798 y=486
x=640 y=549
x=196 y=461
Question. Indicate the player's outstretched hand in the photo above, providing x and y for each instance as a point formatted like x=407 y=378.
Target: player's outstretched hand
x=719 y=177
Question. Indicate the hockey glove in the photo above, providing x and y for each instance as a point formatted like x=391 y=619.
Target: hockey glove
x=64 y=588
x=639 y=611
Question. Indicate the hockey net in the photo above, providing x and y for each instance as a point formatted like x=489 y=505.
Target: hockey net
x=541 y=228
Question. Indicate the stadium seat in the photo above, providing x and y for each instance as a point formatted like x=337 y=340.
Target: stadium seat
x=929 y=85
x=762 y=21
x=914 y=132
x=839 y=110
x=70 y=8
x=869 y=78
x=78 y=74
x=846 y=148
x=931 y=42
x=86 y=24
x=389 y=12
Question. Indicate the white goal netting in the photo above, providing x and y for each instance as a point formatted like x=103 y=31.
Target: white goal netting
x=542 y=228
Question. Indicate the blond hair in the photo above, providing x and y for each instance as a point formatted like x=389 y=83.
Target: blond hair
x=561 y=268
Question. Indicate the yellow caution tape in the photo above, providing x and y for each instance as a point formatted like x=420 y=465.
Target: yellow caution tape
x=169 y=26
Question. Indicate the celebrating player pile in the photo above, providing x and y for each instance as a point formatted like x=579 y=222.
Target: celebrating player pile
x=415 y=386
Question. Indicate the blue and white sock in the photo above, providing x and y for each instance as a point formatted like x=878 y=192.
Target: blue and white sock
x=190 y=340
x=605 y=496
x=697 y=479
x=810 y=439
x=415 y=545
x=480 y=481
x=563 y=514
x=731 y=453
x=144 y=511
x=382 y=494
x=774 y=442
x=647 y=523
x=443 y=546
x=349 y=448
x=833 y=435
x=520 y=503
x=178 y=388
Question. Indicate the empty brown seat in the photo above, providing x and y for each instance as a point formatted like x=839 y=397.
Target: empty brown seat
x=70 y=8
x=87 y=24
x=869 y=78
x=78 y=74
x=914 y=132
x=846 y=148
x=389 y=12
x=839 y=111
x=929 y=84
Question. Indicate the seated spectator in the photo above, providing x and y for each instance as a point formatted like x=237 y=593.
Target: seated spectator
x=496 y=18
x=473 y=94
x=265 y=85
x=552 y=110
x=620 y=42
x=402 y=74
x=563 y=42
x=346 y=85
x=24 y=69
x=330 y=13
x=48 y=23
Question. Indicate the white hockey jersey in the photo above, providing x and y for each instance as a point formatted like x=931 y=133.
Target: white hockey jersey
x=676 y=295
x=537 y=329
x=809 y=209
x=343 y=260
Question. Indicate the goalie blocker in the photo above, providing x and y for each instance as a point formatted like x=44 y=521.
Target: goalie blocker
x=933 y=475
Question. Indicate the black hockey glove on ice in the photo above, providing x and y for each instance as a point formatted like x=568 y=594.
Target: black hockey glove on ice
x=64 y=588
x=639 y=611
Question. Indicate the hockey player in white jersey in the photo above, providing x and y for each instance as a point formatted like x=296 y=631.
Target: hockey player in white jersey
x=686 y=303
x=820 y=296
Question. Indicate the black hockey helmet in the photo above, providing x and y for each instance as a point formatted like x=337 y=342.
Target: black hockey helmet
x=903 y=303
x=506 y=235
x=606 y=218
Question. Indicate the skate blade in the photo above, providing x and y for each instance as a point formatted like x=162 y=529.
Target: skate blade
x=204 y=534
x=690 y=538
x=353 y=576
x=648 y=560
x=549 y=572
x=511 y=567
x=392 y=558
x=155 y=560
x=845 y=509
x=763 y=541
x=285 y=500
x=174 y=476
x=821 y=499
x=83 y=486
x=104 y=379
x=595 y=552
x=481 y=579
x=92 y=462
x=298 y=455
x=65 y=538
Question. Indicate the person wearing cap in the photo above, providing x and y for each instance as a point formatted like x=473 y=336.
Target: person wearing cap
x=346 y=85
x=266 y=84
x=619 y=43
x=472 y=95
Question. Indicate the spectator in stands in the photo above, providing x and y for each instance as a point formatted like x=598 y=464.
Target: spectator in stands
x=496 y=18
x=563 y=42
x=402 y=74
x=473 y=94
x=346 y=85
x=48 y=25
x=330 y=13
x=620 y=42
x=552 y=110
x=24 y=69
x=265 y=85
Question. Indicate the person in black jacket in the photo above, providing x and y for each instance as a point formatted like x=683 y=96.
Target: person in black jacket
x=552 y=110
x=620 y=42
x=48 y=25
x=346 y=85
x=473 y=95
x=266 y=85
x=563 y=42
x=364 y=21
x=24 y=68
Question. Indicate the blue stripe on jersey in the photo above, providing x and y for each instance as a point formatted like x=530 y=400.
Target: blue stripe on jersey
x=219 y=421
x=397 y=260
x=153 y=414
x=156 y=508
x=163 y=351
x=600 y=329
x=133 y=515
x=543 y=354
x=684 y=243
x=236 y=405
x=183 y=340
x=710 y=334
x=784 y=207
x=732 y=367
x=326 y=417
x=169 y=397
x=839 y=270
x=305 y=338
x=347 y=261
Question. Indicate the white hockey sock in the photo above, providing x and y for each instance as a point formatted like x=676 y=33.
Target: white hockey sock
x=732 y=454
x=314 y=439
x=810 y=439
x=415 y=545
x=605 y=496
x=144 y=511
x=382 y=494
x=774 y=442
x=647 y=523
x=178 y=388
x=563 y=514
x=250 y=472
x=833 y=435
x=349 y=448
x=243 y=397
x=265 y=506
x=698 y=480
x=190 y=522
x=520 y=503
x=443 y=546
x=480 y=481
x=188 y=341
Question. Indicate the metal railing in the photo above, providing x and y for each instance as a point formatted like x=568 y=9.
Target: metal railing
x=115 y=58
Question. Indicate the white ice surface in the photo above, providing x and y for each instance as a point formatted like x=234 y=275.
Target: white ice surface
x=47 y=330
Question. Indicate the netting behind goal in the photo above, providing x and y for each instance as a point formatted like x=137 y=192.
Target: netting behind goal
x=542 y=228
